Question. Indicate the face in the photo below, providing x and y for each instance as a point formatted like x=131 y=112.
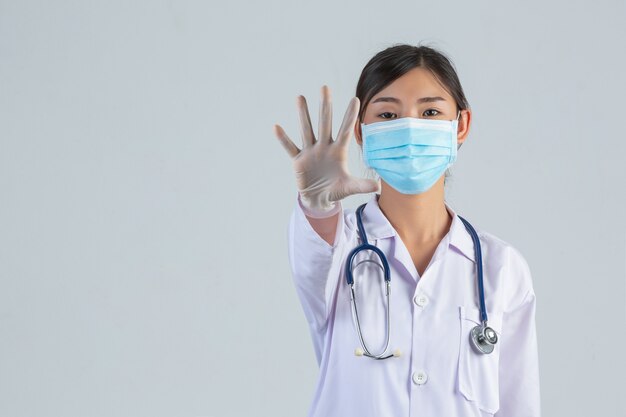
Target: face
x=416 y=94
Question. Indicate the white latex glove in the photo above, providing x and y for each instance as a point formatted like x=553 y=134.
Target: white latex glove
x=321 y=167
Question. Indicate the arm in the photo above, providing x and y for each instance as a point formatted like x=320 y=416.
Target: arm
x=322 y=179
x=323 y=222
x=519 y=361
x=311 y=259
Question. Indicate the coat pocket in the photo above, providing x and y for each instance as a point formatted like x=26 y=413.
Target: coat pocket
x=478 y=372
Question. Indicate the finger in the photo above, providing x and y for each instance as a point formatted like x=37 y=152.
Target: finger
x=289 y=146
x=325 y=130
x=347 y=125
x=306 y=131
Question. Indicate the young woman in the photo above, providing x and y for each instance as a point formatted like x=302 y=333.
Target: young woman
x=431 y=346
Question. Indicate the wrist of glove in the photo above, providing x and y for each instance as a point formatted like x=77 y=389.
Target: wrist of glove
x=318 y=207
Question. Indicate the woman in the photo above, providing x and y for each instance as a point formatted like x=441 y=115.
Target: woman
x=412 y=117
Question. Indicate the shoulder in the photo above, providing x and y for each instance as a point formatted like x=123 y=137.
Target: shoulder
x=508 y=265
x=500 y=248
x=503 y=251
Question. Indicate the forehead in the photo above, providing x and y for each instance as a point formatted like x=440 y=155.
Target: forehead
x=418 y=82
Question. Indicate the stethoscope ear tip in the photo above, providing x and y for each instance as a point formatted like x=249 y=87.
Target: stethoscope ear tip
x=397 y=353
x=358 y=352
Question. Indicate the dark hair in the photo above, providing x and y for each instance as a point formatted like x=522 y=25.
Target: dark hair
x=395 y=61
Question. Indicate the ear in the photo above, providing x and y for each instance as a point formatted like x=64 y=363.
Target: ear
x=357 y=133
x=463 y=126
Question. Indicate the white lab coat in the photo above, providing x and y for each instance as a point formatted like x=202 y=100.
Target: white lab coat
x=438 y=373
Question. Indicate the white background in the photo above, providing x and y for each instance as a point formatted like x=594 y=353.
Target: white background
x=144 y=199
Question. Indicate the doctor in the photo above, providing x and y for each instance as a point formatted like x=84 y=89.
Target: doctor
x=409 y=117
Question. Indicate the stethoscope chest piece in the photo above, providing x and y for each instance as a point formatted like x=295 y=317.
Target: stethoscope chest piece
x=483 y=338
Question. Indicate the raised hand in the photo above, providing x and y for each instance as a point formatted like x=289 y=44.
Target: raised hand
x=321 y=166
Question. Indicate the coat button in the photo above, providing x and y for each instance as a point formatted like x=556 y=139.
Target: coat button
x=421 y=300
x=420 y=377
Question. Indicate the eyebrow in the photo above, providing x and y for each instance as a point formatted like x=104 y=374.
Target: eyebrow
x=421 y=100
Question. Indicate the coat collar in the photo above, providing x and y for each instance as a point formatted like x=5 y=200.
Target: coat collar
x=377 y=226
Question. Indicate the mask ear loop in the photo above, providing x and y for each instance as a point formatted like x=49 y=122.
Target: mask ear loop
x=458 y=146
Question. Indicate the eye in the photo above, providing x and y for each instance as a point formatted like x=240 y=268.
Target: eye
x=432 y=110
x=381 y=115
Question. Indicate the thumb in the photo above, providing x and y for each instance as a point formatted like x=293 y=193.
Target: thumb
x=362 y=185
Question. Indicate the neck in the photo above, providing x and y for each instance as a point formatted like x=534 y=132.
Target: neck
x=418 y=218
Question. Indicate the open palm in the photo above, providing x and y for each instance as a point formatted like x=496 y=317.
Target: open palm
x=321 y=166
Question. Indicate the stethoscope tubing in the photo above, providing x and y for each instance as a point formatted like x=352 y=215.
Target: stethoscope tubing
x=478 y=332
x=479 y=267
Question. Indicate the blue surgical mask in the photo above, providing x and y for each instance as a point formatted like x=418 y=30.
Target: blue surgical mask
x=410 y=154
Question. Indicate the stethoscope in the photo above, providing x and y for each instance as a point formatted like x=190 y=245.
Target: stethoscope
x=483 y=337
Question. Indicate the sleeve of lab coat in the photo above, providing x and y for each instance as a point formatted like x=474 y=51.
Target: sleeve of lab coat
x=311 y=260
x=519 y=362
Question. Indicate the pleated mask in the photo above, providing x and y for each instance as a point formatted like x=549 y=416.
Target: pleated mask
x=410 y=154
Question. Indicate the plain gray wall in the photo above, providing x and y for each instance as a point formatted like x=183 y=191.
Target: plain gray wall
x=145 y=199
